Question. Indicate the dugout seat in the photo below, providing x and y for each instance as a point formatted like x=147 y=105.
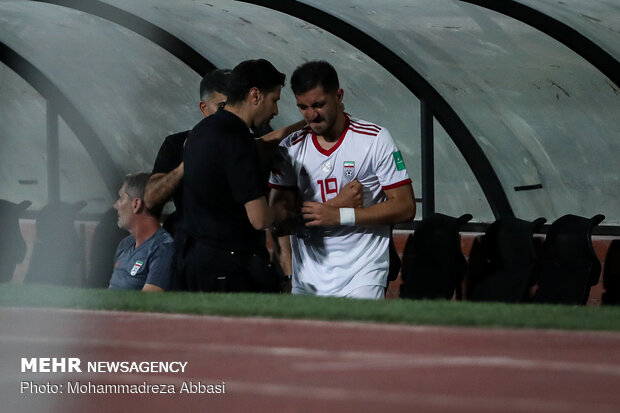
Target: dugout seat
x=433 y=264
x=57 y=248
x=106 y=237
x=611 y=274
x=503 y=266
x=569 y=267
x=12 y=244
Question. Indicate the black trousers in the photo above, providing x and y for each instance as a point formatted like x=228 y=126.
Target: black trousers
x=206 y=268
x=177 y=280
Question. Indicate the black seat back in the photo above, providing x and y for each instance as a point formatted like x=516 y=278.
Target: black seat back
x=433 y=262
x=505 y=267
x=57 y=248
x=106 y=237
x=12 y=244
x=611 y=274
x=569 y=266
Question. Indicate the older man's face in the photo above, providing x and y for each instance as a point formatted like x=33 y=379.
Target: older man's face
x=123 y=206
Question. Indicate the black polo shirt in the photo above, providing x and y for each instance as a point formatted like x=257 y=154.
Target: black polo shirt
x=170 y=156
x=221 y=175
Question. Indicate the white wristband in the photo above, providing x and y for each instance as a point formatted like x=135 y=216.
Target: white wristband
x=347 y=216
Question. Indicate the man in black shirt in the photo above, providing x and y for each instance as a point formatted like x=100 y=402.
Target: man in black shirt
x=166 y=181
x=167 y=176
x=225 y=209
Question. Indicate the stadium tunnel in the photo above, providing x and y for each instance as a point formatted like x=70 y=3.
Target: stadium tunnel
x=500 y=108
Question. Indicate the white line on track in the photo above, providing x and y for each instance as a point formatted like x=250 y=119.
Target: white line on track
x=355 y=325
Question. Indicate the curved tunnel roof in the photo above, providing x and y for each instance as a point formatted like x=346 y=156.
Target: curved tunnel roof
x=524 y=123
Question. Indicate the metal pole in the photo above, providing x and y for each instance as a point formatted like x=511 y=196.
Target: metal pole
x=53 y=155
x=428 y=160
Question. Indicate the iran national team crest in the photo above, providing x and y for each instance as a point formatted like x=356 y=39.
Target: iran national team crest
x=136 y=267
x=349 y=169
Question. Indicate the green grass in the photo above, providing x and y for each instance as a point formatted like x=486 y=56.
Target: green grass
x=450 y=313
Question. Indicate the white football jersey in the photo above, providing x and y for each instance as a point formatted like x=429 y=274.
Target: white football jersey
x=337 y=260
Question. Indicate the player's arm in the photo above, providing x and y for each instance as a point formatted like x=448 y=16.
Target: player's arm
x=399 y=207
x=286 y=254
x=161 y=186
x=282 y=252
x=279 y=134
x=286 y=200
x=152 y=288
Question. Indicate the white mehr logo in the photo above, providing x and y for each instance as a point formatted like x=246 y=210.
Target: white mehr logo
x=50 y=364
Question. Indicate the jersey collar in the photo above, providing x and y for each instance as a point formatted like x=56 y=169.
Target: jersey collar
x=331 y=150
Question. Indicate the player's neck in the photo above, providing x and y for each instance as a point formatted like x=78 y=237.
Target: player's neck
x=332 y=135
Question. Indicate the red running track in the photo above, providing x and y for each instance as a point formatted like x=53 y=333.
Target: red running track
x=308 y=366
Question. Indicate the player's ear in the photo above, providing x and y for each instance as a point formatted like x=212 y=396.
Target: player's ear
x=340 y=94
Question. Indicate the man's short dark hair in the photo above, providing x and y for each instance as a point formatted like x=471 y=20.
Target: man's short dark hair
x=135 y=188
x=258 y=73
x=214 y=81
x=313 y=74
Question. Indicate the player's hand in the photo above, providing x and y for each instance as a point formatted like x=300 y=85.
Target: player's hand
x=350 y=196
x=316 y=214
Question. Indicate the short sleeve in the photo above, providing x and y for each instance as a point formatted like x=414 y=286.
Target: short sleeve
x=242 y=170
x=390 y=166
x=170 y=153
x=160 y=265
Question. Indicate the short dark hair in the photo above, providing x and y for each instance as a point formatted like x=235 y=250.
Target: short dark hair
x=136 y=187
x=313 y=74
x=214 y=81
x=258 y=73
